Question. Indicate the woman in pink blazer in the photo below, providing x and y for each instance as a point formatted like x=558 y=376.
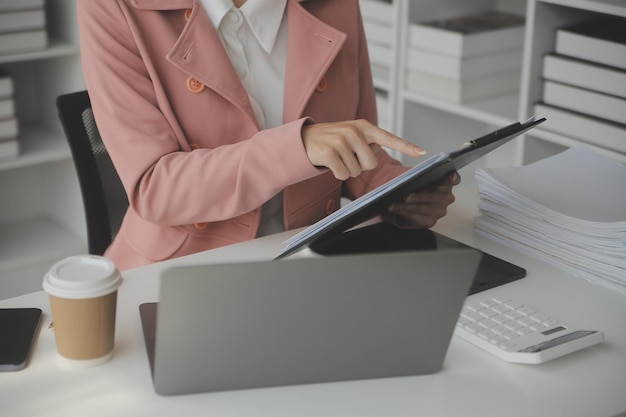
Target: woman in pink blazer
x=182 y=132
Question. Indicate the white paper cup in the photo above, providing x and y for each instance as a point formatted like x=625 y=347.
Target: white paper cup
x=83 y=299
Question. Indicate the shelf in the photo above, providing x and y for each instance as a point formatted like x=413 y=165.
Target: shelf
x=55 y=49
x=497 y=111
x=36 y=241
x=37 y=146
x=612 y=7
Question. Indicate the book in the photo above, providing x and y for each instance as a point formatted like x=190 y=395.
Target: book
x=9 y=148
x=463 y=91
x=382 y=107
x=7 y=108
x=22 y=20
x=377 y=11
x=7 y=5
x=379 y=33
x=9 y=128
x=588 y=102
x=585 y=74
x=600 y=40
x=23 y=41
x=463 y=68
x=381 y=72
x=592 y=130
x=464 y=36
x=380 y=54
x=421 y=176
x=6 y=84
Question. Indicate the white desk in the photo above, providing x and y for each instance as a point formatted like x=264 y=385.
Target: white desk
x=588 y=383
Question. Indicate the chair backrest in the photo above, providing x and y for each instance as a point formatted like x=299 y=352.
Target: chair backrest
x=104 y=198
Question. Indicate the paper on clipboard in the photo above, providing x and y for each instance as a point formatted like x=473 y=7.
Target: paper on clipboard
x=419 y=177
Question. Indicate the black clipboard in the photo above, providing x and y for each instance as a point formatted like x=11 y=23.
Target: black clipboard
x=419 y=177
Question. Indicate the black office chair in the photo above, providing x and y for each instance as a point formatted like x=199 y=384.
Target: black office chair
x=104 y=198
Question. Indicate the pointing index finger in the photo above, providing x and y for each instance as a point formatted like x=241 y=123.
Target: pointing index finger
x=389 y=140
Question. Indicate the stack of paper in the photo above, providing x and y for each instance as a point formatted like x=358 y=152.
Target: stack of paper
x=568 y=210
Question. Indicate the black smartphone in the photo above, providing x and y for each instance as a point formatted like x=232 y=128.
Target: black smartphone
x=18 y=331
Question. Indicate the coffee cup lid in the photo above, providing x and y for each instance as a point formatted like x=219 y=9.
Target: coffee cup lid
x=82 y=276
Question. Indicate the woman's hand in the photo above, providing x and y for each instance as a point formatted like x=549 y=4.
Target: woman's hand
x=348 y=148
x=422 y=209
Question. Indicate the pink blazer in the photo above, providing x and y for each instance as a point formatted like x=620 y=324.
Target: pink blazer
x=183 y=136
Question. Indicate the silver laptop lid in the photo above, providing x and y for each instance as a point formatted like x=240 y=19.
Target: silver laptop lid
x=298 y=321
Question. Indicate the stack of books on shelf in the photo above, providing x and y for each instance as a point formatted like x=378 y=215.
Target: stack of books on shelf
x=22 y=26
x=384 y=112
x=466 y=58
x=9 y=145
x=568 y=210
x=378 y=23
x=584 y=93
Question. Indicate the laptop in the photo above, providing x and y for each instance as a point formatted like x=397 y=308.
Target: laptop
x=304 y=320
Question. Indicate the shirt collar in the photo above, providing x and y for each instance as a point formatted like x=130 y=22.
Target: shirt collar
x=264 y=17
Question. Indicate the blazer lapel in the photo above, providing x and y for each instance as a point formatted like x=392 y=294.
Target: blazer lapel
x=199 y=53
x=311 y=48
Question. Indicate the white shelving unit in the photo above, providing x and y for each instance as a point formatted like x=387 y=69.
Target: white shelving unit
x=381 y=19
x=544 y=17
x=41 y=212
x=440 y=125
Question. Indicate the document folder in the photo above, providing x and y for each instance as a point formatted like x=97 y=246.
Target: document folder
x=417 y=178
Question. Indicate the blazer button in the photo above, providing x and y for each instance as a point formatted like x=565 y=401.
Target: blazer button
x=330 y=207
x=194 y=85
x=188 y=14
x=194 y=146
x=200 y=226
x=322 y=85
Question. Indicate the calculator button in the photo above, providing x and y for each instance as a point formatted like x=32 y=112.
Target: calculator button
x=474 y=327
x=471 y=315
x=526 y=321
x=487 y=324
x=488 y=303
x=513 y=325
x=500 y=319
x=527 y=311
x=513 y=315
x=539 y=317
x=487 y=313
x=474 y=307
x=485 y=334
x=500 y=330
x=501 y=309
x=513 y=305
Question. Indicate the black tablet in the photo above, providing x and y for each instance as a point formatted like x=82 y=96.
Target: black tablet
x=384 y=237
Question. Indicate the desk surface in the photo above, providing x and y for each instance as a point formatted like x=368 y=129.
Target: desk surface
x=587 y=383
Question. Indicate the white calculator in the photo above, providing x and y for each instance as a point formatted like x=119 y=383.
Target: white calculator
x=516 y=332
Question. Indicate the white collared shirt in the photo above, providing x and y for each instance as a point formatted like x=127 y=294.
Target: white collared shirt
x=255 y=38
